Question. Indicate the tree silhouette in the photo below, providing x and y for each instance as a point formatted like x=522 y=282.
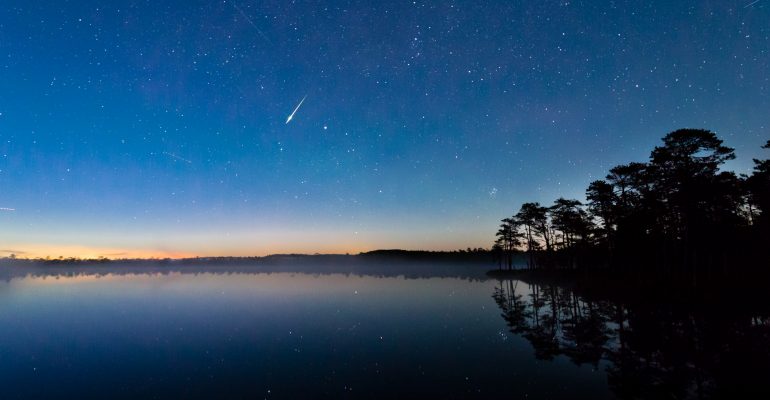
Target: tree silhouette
x=508 y=239
x=498 y=253
x=686 y=164
x=569 y=217
x=602 y=207
x=677 y=215
x=627 y=180
x=758 y=187
x=534 y=219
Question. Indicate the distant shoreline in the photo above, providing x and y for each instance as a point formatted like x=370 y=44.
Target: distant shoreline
x=472 y=255
x=633 y=289
x=384 y=263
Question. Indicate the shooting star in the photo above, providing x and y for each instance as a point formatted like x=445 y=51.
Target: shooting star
x=751 y=4
x=177 y=157
x=7 y=209
x=295 y=110
x=251 y=22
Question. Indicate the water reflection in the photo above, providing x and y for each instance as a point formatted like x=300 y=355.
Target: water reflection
x=646 y=350
x=220 y=333
x=264 y=335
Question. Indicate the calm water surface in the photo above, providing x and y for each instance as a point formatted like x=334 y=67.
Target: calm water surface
x=290 y=335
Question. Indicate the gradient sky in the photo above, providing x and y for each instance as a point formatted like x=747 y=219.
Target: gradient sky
x=139 y=128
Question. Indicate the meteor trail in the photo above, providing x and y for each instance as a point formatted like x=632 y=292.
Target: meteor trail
x=295 y=110
x=177 y=157
x=251 y=22
x=751 y=4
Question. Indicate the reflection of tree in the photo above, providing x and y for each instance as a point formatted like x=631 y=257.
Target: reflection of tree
x=650 y=351
x=544 y=336
x=586 y=330
x=515 y=311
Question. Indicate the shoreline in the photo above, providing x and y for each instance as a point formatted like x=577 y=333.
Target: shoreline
x=605 y=285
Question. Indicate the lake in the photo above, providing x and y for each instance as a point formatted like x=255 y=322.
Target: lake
x=219 y=334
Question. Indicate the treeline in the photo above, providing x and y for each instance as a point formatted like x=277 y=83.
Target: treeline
x=676 y=215
x=469 y=255
x=462 y=264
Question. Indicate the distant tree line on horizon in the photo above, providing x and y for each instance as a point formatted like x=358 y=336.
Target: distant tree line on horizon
x=676 y=215
x=469 y=254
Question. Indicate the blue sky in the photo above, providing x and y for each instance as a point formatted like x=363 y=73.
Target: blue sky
x=159 y=127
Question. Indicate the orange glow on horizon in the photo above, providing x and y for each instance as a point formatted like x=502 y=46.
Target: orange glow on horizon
x=43 y=251
x=196 y=244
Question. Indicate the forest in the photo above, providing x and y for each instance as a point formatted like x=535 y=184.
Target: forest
x=677 y=216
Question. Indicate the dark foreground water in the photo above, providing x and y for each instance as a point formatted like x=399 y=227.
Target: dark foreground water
x=295 y=335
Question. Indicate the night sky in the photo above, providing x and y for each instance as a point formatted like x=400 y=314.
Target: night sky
x=158 y=128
